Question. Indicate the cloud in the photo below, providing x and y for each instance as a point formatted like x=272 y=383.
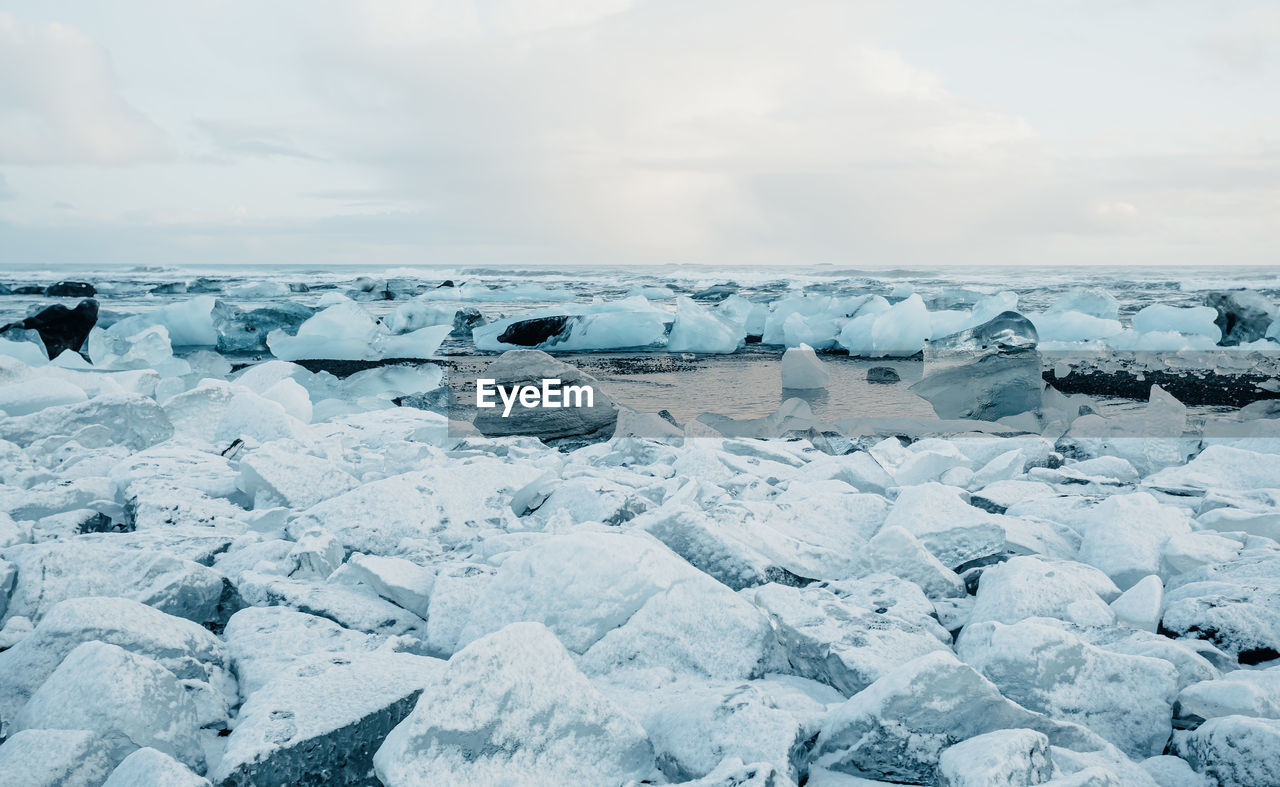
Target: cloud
x=243 y=139
x=59 y=103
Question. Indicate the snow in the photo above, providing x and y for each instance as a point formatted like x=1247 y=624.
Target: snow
x=60 y=758
x=999 y=757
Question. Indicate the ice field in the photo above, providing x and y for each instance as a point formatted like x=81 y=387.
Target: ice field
x=222 y=563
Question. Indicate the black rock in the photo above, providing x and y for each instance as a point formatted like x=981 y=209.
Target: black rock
x=465 y=320
x=446 y=283
x=539 y=330
x=1243 y=315
x=101 y=523
x=61 y=328
x=882 y=374
x=70 y=289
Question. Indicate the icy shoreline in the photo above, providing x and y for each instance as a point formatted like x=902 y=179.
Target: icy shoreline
x=277 y=575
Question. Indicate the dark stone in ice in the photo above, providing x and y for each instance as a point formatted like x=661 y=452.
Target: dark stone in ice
x=60 y=328
x=170 y=288
x=241 y=331
x=715 y=293
x=530 y=367
x=1243 y=315
x=446 y=283
x=71 y=289
x=882 y=374
x=465 y=320
x=101 y=523
x=536 y=331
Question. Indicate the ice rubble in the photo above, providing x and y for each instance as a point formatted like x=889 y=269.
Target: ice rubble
x=278 y=575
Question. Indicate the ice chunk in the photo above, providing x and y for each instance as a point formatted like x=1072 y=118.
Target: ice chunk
x=281 y=474
x=60 y=758
x=802 y=369
x=1140 y=605
x=999 y=757
x=700 y=330
x=29 y=396
x=1025 y=587
x=512 y=707
x=899 y=330
x=829 y=640
x=695 y=732
x=987 y=372
x=187 y=323
x=106 y=689
x=1195 y=320
x=399 y=581
x=322 y=718
x=148 y=767
x=897 y=728
x=1235 y=605
x=186 y=649
x=26 y=352
x=631 y=323
x=1243 y=316
x=1233 y=751
x=1124 y=698
x=238 y=331
x=130 y=420
x=954 y=531
x=1125 y=536
x=581 y=586
x=1074 y=327
x=1093 y=302
x=58 y=570
x=895 y=551
x=353 y=607
x=1220 y=467
x=695 y=626
x=264 y=641
x=345 y=331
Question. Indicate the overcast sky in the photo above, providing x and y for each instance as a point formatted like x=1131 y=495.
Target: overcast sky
x=775 y=132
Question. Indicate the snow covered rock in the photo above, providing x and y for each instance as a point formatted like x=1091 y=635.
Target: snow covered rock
x=802 y=369
x=897 y=728
x=834 y=642
x=942 y=519
x=531 y=367
x=188 y=650
x=60 y=758
x=512 y=707
x=403 y=583
x=1220 y=468
x=1000 y=757
x=356 y=608
x=1233 y=751
x=1125 y=699
x=322 y=718
x=282 y=474
x=1235 y=605
x=106 y=689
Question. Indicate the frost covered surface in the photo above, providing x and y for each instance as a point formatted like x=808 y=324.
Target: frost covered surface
x=273 y=575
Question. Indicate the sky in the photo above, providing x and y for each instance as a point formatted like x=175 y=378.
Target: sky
x=862 y=133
